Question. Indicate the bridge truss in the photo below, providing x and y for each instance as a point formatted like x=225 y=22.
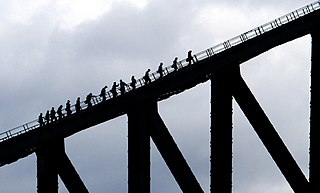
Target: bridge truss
x=220 y=65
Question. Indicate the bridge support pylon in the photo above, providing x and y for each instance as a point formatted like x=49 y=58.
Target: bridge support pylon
x=138 y=150
x=314 y=166
x=144 y=122
x=221 y=132
x=47 y=175
x=269 y=136
x=53 y=161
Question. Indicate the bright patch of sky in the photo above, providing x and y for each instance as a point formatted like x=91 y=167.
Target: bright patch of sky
x=67 y=13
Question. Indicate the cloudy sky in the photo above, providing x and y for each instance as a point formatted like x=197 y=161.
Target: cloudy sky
x=55 y=50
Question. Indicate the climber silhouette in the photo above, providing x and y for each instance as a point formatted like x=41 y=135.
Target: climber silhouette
x=123 y=87
x=88 y=100
x=147 y=77
x=175 y=64
x=53 y=115
x=40 y=120
x=133 y=82
x=59 y=112
x=78 y=105
x=68 y=108
x=103 y=93
x=160 y=70
x=114 y=89
x=190 y=58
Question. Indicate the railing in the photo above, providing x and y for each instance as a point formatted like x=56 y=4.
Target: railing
x=181 y=64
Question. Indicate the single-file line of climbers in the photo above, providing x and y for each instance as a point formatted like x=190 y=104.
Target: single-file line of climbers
x=121 y=88
x=57 y=115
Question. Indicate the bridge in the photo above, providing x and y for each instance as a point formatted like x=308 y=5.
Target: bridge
x=220 y=64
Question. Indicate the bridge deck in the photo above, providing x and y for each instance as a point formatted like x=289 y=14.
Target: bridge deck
x=23 y=140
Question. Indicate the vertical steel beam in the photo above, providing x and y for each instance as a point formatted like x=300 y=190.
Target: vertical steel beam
x=171 y=154
x=47 y=177
x=138 y=151
x=221 y=132
x=314 y=165
x=269 y=137
x=47 y=174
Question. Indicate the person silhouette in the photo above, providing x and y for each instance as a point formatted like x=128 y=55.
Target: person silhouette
x=68 y=108
x=78 y=105
x=133 y=82
x=47 y=117
x=147 y=77
x=114 y=89
x=103 y=93
x=123 y=87
x=160 y=70
x=40 y=120
x=175 y=64
x=59 y=112
x=190 y=58
x=53 y=115
x=88 y=100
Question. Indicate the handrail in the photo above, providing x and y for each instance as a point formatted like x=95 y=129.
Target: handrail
x=183 y=63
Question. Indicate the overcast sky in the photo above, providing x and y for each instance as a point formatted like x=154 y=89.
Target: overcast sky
x=55 y=50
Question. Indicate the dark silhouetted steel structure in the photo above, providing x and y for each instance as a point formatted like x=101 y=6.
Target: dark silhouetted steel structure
x=220 y=64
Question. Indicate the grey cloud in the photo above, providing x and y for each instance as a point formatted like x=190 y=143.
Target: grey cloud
x=272 y=4
x=43 y=66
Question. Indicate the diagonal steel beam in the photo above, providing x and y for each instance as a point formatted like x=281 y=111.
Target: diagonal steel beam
x=69 y=175
x=269 y=136
x=171 y=153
